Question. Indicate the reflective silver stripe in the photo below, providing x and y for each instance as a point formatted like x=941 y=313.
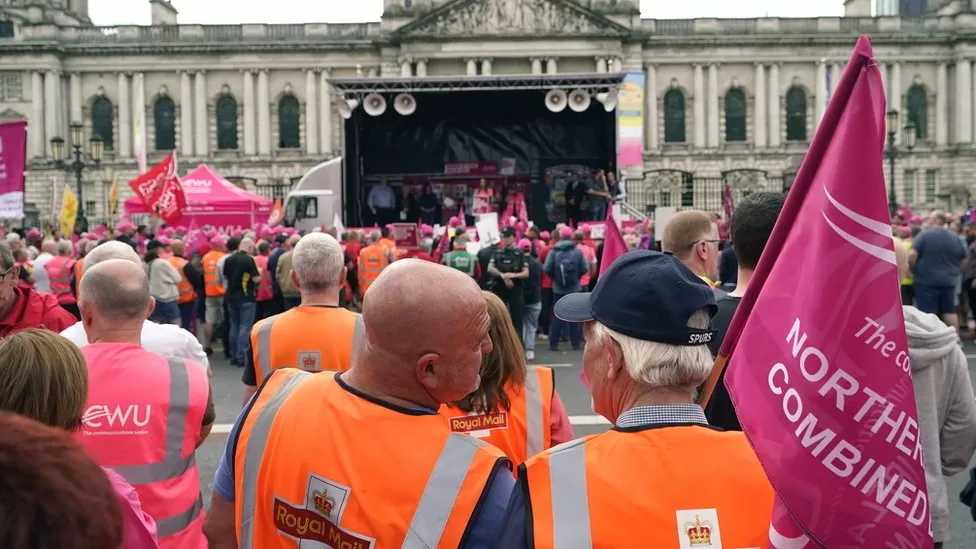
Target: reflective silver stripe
x=155 y=472
x=441 y=492
x=254 y=454
x=177 y=523
x=358 y=331
x=535 y=434
x=264 y=348
x=570 y=503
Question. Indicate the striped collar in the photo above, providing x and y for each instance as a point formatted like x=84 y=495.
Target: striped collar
x=642 y=416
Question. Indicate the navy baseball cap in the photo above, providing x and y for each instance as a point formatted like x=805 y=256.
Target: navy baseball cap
x=646 y=295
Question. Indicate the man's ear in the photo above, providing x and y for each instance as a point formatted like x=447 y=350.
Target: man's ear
x=427 y=369
x=615 y=356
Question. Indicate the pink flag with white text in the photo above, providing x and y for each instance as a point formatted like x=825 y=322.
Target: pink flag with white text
x=819 y=369
x=613 y=243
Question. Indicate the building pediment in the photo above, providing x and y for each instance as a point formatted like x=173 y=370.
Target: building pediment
x=9 y=114
x=494 y=18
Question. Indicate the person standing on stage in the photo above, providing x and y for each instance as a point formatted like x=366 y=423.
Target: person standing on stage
x=508 y=269
x=575 y=193
x=382 y=202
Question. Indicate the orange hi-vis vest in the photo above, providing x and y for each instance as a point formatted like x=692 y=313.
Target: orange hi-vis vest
x=293 y=339
x=211 y=286
x=59 y=273
x=187 y=294
x=521 y=431
x=143 y=421
x=79 y=269
x=372 y=260
x=655 y=486
x=264 y=283
x=342 y=490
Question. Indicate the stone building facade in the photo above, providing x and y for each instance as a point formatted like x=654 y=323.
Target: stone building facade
x=734 y=99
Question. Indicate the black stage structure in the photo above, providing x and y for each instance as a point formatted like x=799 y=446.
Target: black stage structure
x=472 y=119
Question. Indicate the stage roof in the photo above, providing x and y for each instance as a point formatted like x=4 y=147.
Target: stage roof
x=589 y=81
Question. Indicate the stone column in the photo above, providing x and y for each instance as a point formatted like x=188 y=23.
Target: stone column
x=139 y=138
x=942 y=105
x=472 y=67
x=325 y=110
x=51 y=129
x=421 y=68
x=759 y=108
x=250 y=132
x=202 y=136
x=264 y=114
x=894 y=98
x=486 y=67
x=186 y=114
x=601 y=64
x=35 y=128
x=74 y=93
x=536 y=65
x=125 y=122
x=650 y=96
x=964 y=102
x=406 y=71
x=311 y=114
x=835 y=74
x=775 y=134
x=552 y=65
x=820 y=93
x=699 y=107
x=713 y=122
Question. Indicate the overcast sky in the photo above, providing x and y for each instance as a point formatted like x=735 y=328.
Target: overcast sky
x=213 y=12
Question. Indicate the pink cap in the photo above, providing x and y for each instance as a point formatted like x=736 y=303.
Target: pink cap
x=544 y=235
x=164 y=240
x=33 y=233
x=585 y=230
x=525 y=244
x=238 y=233
x=426 y=230
x=210 y=233
x=125 y=226
x=565 y=233
x=454 y=221
x=218 y=241
x=181 y=229
x=917 y=219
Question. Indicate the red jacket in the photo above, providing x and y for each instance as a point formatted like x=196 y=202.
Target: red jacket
x=35 y=310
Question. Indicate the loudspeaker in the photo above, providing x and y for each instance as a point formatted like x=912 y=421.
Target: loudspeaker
x=609 y=100
x=405 y=104
x=579 y=101
x=374 y=104
x=346 y=106
x=556 y=100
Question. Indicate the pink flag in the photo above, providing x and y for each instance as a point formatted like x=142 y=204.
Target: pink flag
x=613 y=243
x=727 y=204
x=819 y=369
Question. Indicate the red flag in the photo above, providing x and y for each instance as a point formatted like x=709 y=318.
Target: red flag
x=170 y=202
x=148 y=185
x=727 y=204
x=819 y=369
x=613 y=243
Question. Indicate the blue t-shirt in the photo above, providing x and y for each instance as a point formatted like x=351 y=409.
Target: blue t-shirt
x=940 y=255
x=491 y=519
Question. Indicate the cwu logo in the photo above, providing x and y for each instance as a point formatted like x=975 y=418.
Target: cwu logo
x=101 y=415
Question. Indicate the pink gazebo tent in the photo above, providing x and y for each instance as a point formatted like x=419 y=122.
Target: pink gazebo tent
x=212 y=200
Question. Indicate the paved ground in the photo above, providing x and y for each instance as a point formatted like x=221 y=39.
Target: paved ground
x=227 y=394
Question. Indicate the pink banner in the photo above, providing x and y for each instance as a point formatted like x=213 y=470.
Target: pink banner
x=630 y=121
x=820 y=374
x=13 y=157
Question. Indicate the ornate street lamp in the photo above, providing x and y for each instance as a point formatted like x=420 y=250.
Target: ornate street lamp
x=892 y=151
x=77 y=160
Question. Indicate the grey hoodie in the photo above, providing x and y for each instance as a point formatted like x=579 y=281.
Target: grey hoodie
x=946 y=407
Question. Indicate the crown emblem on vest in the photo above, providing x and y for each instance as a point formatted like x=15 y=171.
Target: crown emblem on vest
x=699 y=533
x=323 y=503
x=308 y=362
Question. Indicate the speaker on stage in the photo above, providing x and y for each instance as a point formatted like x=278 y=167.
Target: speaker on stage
x=556 y=100
x=405 y=104
x=579 y=101
x=374 y=104
x=346 y=106
x=609 y=100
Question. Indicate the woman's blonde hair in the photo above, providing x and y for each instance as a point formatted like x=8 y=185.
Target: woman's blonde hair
x=503 y=366
x=44 y=377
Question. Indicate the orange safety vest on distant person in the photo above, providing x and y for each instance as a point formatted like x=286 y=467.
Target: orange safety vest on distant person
x=372 y=260
x=654 y=486
x=294 y=339
x=384 y=477
x=187 y=294
x=79 y=269
x=521 y=431
x=211 y=286
x=59 y=273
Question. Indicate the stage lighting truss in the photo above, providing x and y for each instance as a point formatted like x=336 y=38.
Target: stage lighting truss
x=592 y=83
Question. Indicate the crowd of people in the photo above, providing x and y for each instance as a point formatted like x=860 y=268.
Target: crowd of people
x=390 y=398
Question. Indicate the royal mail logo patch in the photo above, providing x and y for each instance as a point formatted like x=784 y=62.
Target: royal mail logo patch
x=310 y=361
x=479 y=424
x=698 y=529
x=318 y=518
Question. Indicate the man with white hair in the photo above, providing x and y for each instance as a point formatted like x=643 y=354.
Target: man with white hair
x=42 y=283
x=167 y=340
x=59 y=273
x=662 y=477
x=295 y=338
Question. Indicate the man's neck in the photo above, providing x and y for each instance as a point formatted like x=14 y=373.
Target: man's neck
x=131 y=336
x=328 y=298
x=365 y=382
x=697 y=268
x=742 y=282
x=657 y=397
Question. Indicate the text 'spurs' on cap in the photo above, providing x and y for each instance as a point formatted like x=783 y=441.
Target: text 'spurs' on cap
x=646 y=295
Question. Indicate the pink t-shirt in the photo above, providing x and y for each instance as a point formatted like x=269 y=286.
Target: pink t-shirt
x=140 y=528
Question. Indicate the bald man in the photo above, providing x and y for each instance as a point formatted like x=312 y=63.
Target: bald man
x=241 y=272
x=146 y=414
x=360 y=455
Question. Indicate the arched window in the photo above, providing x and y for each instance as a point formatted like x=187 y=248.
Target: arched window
x=918 y=110
x=735 y=115
x=796 y=114
x=164 y=121
x=674 y=117
x=226 y=123
x=407 y=3
x=288 y=122
x=102 y=113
